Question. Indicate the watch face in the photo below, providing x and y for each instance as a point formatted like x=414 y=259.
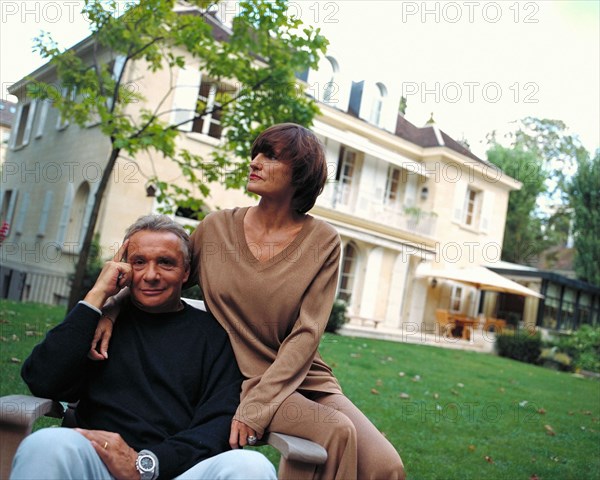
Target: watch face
x=146 y=462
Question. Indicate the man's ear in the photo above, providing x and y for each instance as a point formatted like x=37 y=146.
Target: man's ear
x=186 y=275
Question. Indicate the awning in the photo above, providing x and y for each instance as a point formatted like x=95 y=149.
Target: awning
x=479 y=277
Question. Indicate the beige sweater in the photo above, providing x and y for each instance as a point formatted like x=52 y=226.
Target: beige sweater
x=275 y=312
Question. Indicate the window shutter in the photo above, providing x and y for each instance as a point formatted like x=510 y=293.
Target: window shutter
x=64 y=215
x=42 y=121
x=410 y=193
x=118 y=66
x=45 y=213
x=460 y=190
x=11 y=206
x=29 y=125
x=86 y=218
x=186 y=97
x=487 y=211
x=22 y=211
x=15 y=127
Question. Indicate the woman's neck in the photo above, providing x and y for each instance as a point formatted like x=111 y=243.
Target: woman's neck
x=271 y=216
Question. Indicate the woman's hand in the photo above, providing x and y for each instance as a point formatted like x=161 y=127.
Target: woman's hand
x=240 y=432
x=99 y=349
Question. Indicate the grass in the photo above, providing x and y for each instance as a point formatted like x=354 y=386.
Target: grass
x=451 y=414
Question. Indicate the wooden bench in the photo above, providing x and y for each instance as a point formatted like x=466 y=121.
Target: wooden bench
x=363 y=320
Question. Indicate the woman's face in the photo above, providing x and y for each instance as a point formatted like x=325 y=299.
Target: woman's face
x=270 y=177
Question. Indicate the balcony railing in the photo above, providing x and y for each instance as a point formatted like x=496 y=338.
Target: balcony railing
x=344 y=198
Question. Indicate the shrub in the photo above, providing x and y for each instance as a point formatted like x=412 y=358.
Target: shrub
x=519 y=344
x=553 y=358
x=583 y=345
x=337 y=317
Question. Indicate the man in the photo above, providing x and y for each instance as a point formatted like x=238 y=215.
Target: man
x=161 y=405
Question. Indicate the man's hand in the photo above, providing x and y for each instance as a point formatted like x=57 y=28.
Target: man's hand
x=118 y=457
x=238 y=436
x=115 y=275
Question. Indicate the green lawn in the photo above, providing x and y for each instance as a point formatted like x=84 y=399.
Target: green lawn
x=451 y=414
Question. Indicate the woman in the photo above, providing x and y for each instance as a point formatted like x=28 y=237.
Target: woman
x=269 y=274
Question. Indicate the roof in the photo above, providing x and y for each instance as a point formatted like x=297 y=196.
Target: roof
x=516 y=270
x=431 y=136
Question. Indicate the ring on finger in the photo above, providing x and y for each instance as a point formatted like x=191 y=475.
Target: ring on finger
x=251 y=440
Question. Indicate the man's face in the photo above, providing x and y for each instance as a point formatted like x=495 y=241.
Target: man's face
x=159 y=270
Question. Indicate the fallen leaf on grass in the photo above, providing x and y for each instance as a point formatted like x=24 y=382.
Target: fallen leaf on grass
x=404 y=395
x=453 y=392
x=549 y=430
x=379 y=382
x=15 y=360
x=541 y=411
x=401 y=374
x=488 y=459
x=472 y=448
x=374 y=392
x=534 y=477
x=355 y=355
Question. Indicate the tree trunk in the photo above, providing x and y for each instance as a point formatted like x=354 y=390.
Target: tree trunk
x=84 y=251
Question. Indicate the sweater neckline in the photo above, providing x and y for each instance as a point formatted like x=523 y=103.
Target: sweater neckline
x=287 y=252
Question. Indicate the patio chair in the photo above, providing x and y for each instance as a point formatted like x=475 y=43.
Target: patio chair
x=18 y=414
x=444 y=324
x=494 y=325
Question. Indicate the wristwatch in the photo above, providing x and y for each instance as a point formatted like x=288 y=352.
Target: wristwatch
x=147 y=464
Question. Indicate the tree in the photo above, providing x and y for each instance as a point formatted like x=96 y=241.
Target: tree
x=584 y=190
x=263 y=53
x=523 y=233
x=543 y=150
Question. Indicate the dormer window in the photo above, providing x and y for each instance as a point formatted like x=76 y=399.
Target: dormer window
x=379 y=97
x=330 y=86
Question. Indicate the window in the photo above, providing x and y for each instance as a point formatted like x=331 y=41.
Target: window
x=472 y=208
x=210 y=101
x=330 y=87
x=380 y=94
x=7 y=210
x=77 y=216
x=393 y=187
x=24 y=125
x=347 y=273
x=345 y=175
x=61 y=122
x=456 y=299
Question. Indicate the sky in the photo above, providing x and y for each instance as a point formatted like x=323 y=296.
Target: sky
x=478 y=66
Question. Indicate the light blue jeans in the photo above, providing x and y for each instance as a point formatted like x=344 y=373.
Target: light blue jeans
x=63 y=454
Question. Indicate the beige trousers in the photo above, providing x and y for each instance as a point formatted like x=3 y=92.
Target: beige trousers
x=356 y=450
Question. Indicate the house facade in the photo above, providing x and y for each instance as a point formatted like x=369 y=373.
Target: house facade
x=399 y=195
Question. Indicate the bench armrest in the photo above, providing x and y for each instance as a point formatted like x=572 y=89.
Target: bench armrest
x=17 y=416
x=297 y=449
x=24 y=410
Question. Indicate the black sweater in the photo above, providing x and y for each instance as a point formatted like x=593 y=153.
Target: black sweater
x=170 y=384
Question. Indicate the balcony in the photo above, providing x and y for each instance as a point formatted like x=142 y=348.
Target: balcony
x=345 y=199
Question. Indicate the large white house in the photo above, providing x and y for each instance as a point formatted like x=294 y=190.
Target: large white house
x=399 y=195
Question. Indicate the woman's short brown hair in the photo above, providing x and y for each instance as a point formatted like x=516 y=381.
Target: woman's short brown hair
x=293 y=143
